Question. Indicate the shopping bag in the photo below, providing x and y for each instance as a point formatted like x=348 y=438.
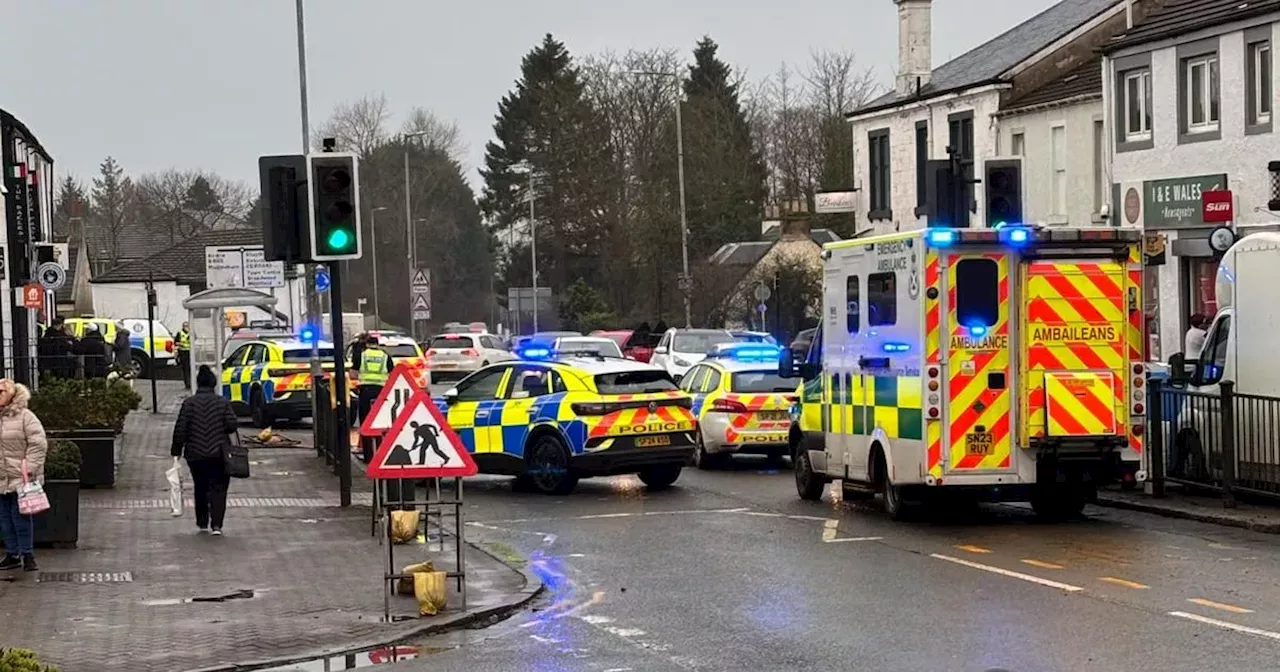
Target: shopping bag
x=431 y=591
x=404 y=586
x=174 y=476
x=31 y=496
x=404 y=526
x=235 y=459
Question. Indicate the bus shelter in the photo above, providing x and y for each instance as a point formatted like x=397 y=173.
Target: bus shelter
x=207 y=316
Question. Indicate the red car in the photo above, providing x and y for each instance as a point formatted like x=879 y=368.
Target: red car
x=637 y=346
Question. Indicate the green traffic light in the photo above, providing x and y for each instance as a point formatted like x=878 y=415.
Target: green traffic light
x=339 y=239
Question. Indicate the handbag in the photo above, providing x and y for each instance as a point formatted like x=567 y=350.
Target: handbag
x=235 y=459
x=31 y=496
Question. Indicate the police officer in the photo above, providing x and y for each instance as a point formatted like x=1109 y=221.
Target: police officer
x=184 y=354
x=374 y=371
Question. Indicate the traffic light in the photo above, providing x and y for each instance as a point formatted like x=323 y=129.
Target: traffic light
x=334 y=191
x=1002 y=185
x=284 y=230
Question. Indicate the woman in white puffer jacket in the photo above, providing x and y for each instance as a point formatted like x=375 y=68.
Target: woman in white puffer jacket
x=22 y=447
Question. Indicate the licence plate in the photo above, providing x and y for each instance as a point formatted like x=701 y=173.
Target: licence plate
x=773 y=415
x=445 y=365
x=979 y=443
x=650 y=441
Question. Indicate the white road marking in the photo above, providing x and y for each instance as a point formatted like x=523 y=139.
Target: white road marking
x=1226 y=624
x=815 y=518
x=830 y=527
x=594 y=619
x=764 y=514
x=686 y=512
x=605 y=515
x=1009 y=573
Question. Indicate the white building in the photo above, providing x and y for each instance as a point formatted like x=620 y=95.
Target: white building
x=26 y=218
x=1189 y=92
x=1034 y=92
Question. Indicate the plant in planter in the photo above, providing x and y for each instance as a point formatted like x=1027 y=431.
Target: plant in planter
x=60 y=525
x=91 y=412
x=22 y=660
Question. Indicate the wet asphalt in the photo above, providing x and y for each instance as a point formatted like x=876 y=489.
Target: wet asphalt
x=729 y=570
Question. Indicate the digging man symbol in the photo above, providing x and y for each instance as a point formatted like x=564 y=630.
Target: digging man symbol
x=424 y=436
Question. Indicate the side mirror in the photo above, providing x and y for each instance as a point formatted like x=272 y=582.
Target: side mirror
x=786 y=364
x=660 y=350
x=1178 y=373
x=809 y=370
x=451 y=396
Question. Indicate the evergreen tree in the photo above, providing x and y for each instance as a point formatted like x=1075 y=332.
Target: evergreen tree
x=71 y=206
x=724 y=172
x=201 y=197
x=546 y=128
x=113 y=197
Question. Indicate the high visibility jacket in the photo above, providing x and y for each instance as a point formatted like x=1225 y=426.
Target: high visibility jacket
x=184 y=340
x=375 y=366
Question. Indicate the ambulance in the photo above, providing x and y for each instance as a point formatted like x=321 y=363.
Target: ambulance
x=997 y=364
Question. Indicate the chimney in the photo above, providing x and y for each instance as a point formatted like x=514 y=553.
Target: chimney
x=915 y=45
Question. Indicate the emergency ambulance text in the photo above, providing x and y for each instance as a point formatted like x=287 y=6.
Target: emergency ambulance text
x=1075 y=333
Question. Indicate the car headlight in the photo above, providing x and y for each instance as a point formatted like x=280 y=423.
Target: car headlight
x=681 y=362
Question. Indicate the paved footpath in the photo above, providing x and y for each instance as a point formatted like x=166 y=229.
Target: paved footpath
x=295 y=575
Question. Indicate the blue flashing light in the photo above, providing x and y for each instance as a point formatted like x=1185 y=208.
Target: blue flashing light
x=534 y=353
x=896 y=347
x=308 y=334
x=747 y=352
x=977 y=331
x=940 y=237
x=1015 y=235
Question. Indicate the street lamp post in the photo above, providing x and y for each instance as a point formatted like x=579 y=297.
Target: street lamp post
x=373 y=240
x=533 y=251
x=409 y=256
x=686 y=280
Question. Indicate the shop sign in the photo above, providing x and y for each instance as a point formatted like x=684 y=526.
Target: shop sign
x=1178 y=202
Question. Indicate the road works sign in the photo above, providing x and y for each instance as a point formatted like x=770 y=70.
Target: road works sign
x=393 y=399
x=421 y=444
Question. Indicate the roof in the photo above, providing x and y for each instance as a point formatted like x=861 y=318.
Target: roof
x=1084 y=80
x=988 y=62
x=819 y=236
x=183 y=262
x=29 y=138
x=740 y=254
x=1179 y=17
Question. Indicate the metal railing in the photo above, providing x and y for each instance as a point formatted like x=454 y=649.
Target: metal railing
x=326 y=443
x=1226 y=442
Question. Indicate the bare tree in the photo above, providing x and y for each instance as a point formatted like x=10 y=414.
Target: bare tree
x=182 y=203
x=358 y=126
x=437 y=133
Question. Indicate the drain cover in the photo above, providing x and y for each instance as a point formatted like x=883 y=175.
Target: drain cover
x=85 y=577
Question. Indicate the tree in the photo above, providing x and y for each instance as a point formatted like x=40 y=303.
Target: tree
x=71 y=206
x=724 y=172
x=357 y=126
x=551 y=143
x=200 y=196
x=113 y=203
x=178 y=204
x=434 y=132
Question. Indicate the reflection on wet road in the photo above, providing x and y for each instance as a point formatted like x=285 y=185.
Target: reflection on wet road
x=730 y=571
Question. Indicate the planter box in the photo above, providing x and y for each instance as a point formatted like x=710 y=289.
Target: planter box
x=97 y=454
x=59 y=527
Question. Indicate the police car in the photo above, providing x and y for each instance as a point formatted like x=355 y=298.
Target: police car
x=270 y=380
x=551 y=418
x=743 y=405
x=146 y=353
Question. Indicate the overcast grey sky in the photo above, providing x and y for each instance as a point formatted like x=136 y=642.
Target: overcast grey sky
x=212 y=84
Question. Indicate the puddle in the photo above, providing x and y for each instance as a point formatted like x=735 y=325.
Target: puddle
x=243 y=594
x=360 y=660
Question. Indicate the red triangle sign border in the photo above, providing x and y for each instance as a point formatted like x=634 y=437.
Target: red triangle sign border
x=378 y=471
x=401 y=370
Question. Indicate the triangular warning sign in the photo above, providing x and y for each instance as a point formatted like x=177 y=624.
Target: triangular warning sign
x=395 y=395
x=421 y=444
x=420 y=302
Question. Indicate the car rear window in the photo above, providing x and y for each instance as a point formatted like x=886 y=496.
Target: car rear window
x=600 y=347
x=402 y=350
x=304 y=355
x=635 y=382
x=699 y=343
x=452 y=342
x=760 y=382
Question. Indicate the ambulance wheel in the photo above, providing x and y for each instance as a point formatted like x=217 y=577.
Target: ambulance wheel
x=893 y=504
x=1059 y=502
x=258 y=410
x=548 y=471
x=660 y=478
x=808 y=484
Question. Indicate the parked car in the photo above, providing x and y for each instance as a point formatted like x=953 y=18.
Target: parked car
x=458 y=355
x=744 y=336
x=637 y=345
x=680 y=349
x=604 y=347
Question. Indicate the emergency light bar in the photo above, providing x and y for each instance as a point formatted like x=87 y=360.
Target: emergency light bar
x=745 y=352
x=1023 y=235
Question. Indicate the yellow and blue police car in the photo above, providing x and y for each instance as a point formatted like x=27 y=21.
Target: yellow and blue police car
x=270 y=380
x=551 y=418
x=742 y=404
x=146 y=353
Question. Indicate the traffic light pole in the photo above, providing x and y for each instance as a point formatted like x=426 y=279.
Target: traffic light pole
x=341 y=433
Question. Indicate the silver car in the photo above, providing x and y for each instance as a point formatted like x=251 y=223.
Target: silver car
x=455 y=356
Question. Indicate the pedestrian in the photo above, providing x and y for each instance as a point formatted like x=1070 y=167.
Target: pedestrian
x=202 y=436
x=1193 y=343
x=22 y=452
x=93 y=350
x=184 y=354
x=123 y=349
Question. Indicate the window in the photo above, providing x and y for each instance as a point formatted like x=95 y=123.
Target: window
x=1213 y=358
x=693 y=378
x=882 y=299
x=922 y=163
x=712 y=382
x=1200 y=90
x=1099 y=165
x=237 y=357
x=635 y=382
x=1018 y=144
x=960 y=140
x=977 y=292
x=1058 y=141
x=762 y=382
x=1137 y=105
x=530 y=381
x=878 y=161
x=482 y=385
x=699 y=342
x=452 y=342
x=1259 y=66
x=852 y=315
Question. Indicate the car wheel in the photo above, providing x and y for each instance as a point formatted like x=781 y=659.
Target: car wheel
x=808 y=484
x=258 y=410
x=660 y=478
x=139 y=366
x=548 y=468
x=702 y=459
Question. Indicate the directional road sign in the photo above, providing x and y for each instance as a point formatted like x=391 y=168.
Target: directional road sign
x=421 y=444
x=395 y=396
x=51 y=275
x=322 y=280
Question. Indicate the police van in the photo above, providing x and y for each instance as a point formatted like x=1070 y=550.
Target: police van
x=1002 y=364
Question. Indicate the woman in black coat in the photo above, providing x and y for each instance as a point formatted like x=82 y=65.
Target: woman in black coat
x=202 y=435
